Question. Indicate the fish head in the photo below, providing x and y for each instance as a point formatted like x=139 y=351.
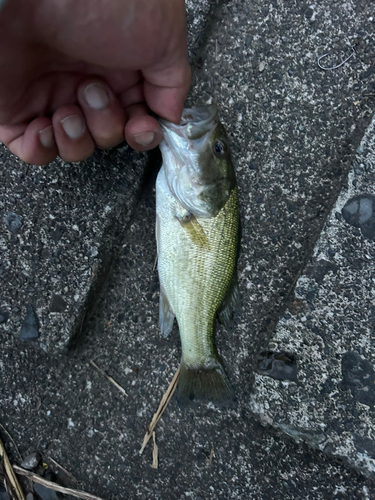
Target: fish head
x=197 y=163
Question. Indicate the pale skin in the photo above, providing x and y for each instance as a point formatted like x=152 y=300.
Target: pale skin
x=80 y=74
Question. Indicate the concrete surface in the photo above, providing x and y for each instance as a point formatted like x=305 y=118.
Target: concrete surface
x=69 y=412
x=294 y=131
x=329 y=329
x=69 y=219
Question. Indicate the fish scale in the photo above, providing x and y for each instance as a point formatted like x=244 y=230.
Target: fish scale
x=213 y=269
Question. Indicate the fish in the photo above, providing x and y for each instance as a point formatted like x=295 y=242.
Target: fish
x=197 y=236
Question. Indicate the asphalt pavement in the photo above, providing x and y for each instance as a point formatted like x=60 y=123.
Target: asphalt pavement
x=77 y=269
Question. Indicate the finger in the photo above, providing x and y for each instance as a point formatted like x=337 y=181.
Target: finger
x=104 y=115
x=133 y=95
x=165 y=90
x=33 y=143
x=142 y=131
x=73 y=139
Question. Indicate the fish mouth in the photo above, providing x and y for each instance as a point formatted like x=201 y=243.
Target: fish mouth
x=195 y=123
x=181 y=148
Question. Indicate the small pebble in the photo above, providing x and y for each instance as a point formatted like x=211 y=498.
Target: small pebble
x=359 y=212
x=58 y=304
x=3 y=494
x=13 y=222
x=262 y=65
x=31 y=461
x=4 y=316
x=45 y=493
x=30 y=325
x=365 y=210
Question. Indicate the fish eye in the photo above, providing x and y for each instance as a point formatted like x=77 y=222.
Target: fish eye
x=220 y=148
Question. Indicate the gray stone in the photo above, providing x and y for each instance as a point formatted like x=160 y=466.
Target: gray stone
x=4 y=316
x=13 y=222
x=3 y=494
x=358 y=211
x=58 y=304
x=331 y=407
x=45 y=493
x=31 y=461
x=277 y=365
x=30 y=325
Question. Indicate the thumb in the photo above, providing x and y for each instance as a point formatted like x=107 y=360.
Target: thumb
x=165 y=89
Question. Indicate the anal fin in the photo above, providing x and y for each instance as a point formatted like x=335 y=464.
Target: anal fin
x=166 y=315
x=231 y=303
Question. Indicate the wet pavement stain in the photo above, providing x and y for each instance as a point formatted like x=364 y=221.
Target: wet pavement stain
x=359 y=212
x=359 y=376
x=277 y=365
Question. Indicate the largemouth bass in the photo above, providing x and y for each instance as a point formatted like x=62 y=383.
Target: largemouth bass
x=197 y=230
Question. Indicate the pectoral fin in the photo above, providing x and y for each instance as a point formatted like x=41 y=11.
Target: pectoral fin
x=166 y=316
x=194 y=230
x=231 y=303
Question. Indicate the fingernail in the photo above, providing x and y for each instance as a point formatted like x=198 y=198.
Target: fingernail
x=73 y=126
x=46 y=137
x=96 y=96
x=145 y=138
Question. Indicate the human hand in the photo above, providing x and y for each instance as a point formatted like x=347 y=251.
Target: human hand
x=81 y=74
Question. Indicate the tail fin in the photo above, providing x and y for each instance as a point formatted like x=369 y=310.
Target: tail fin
x=204 y=384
